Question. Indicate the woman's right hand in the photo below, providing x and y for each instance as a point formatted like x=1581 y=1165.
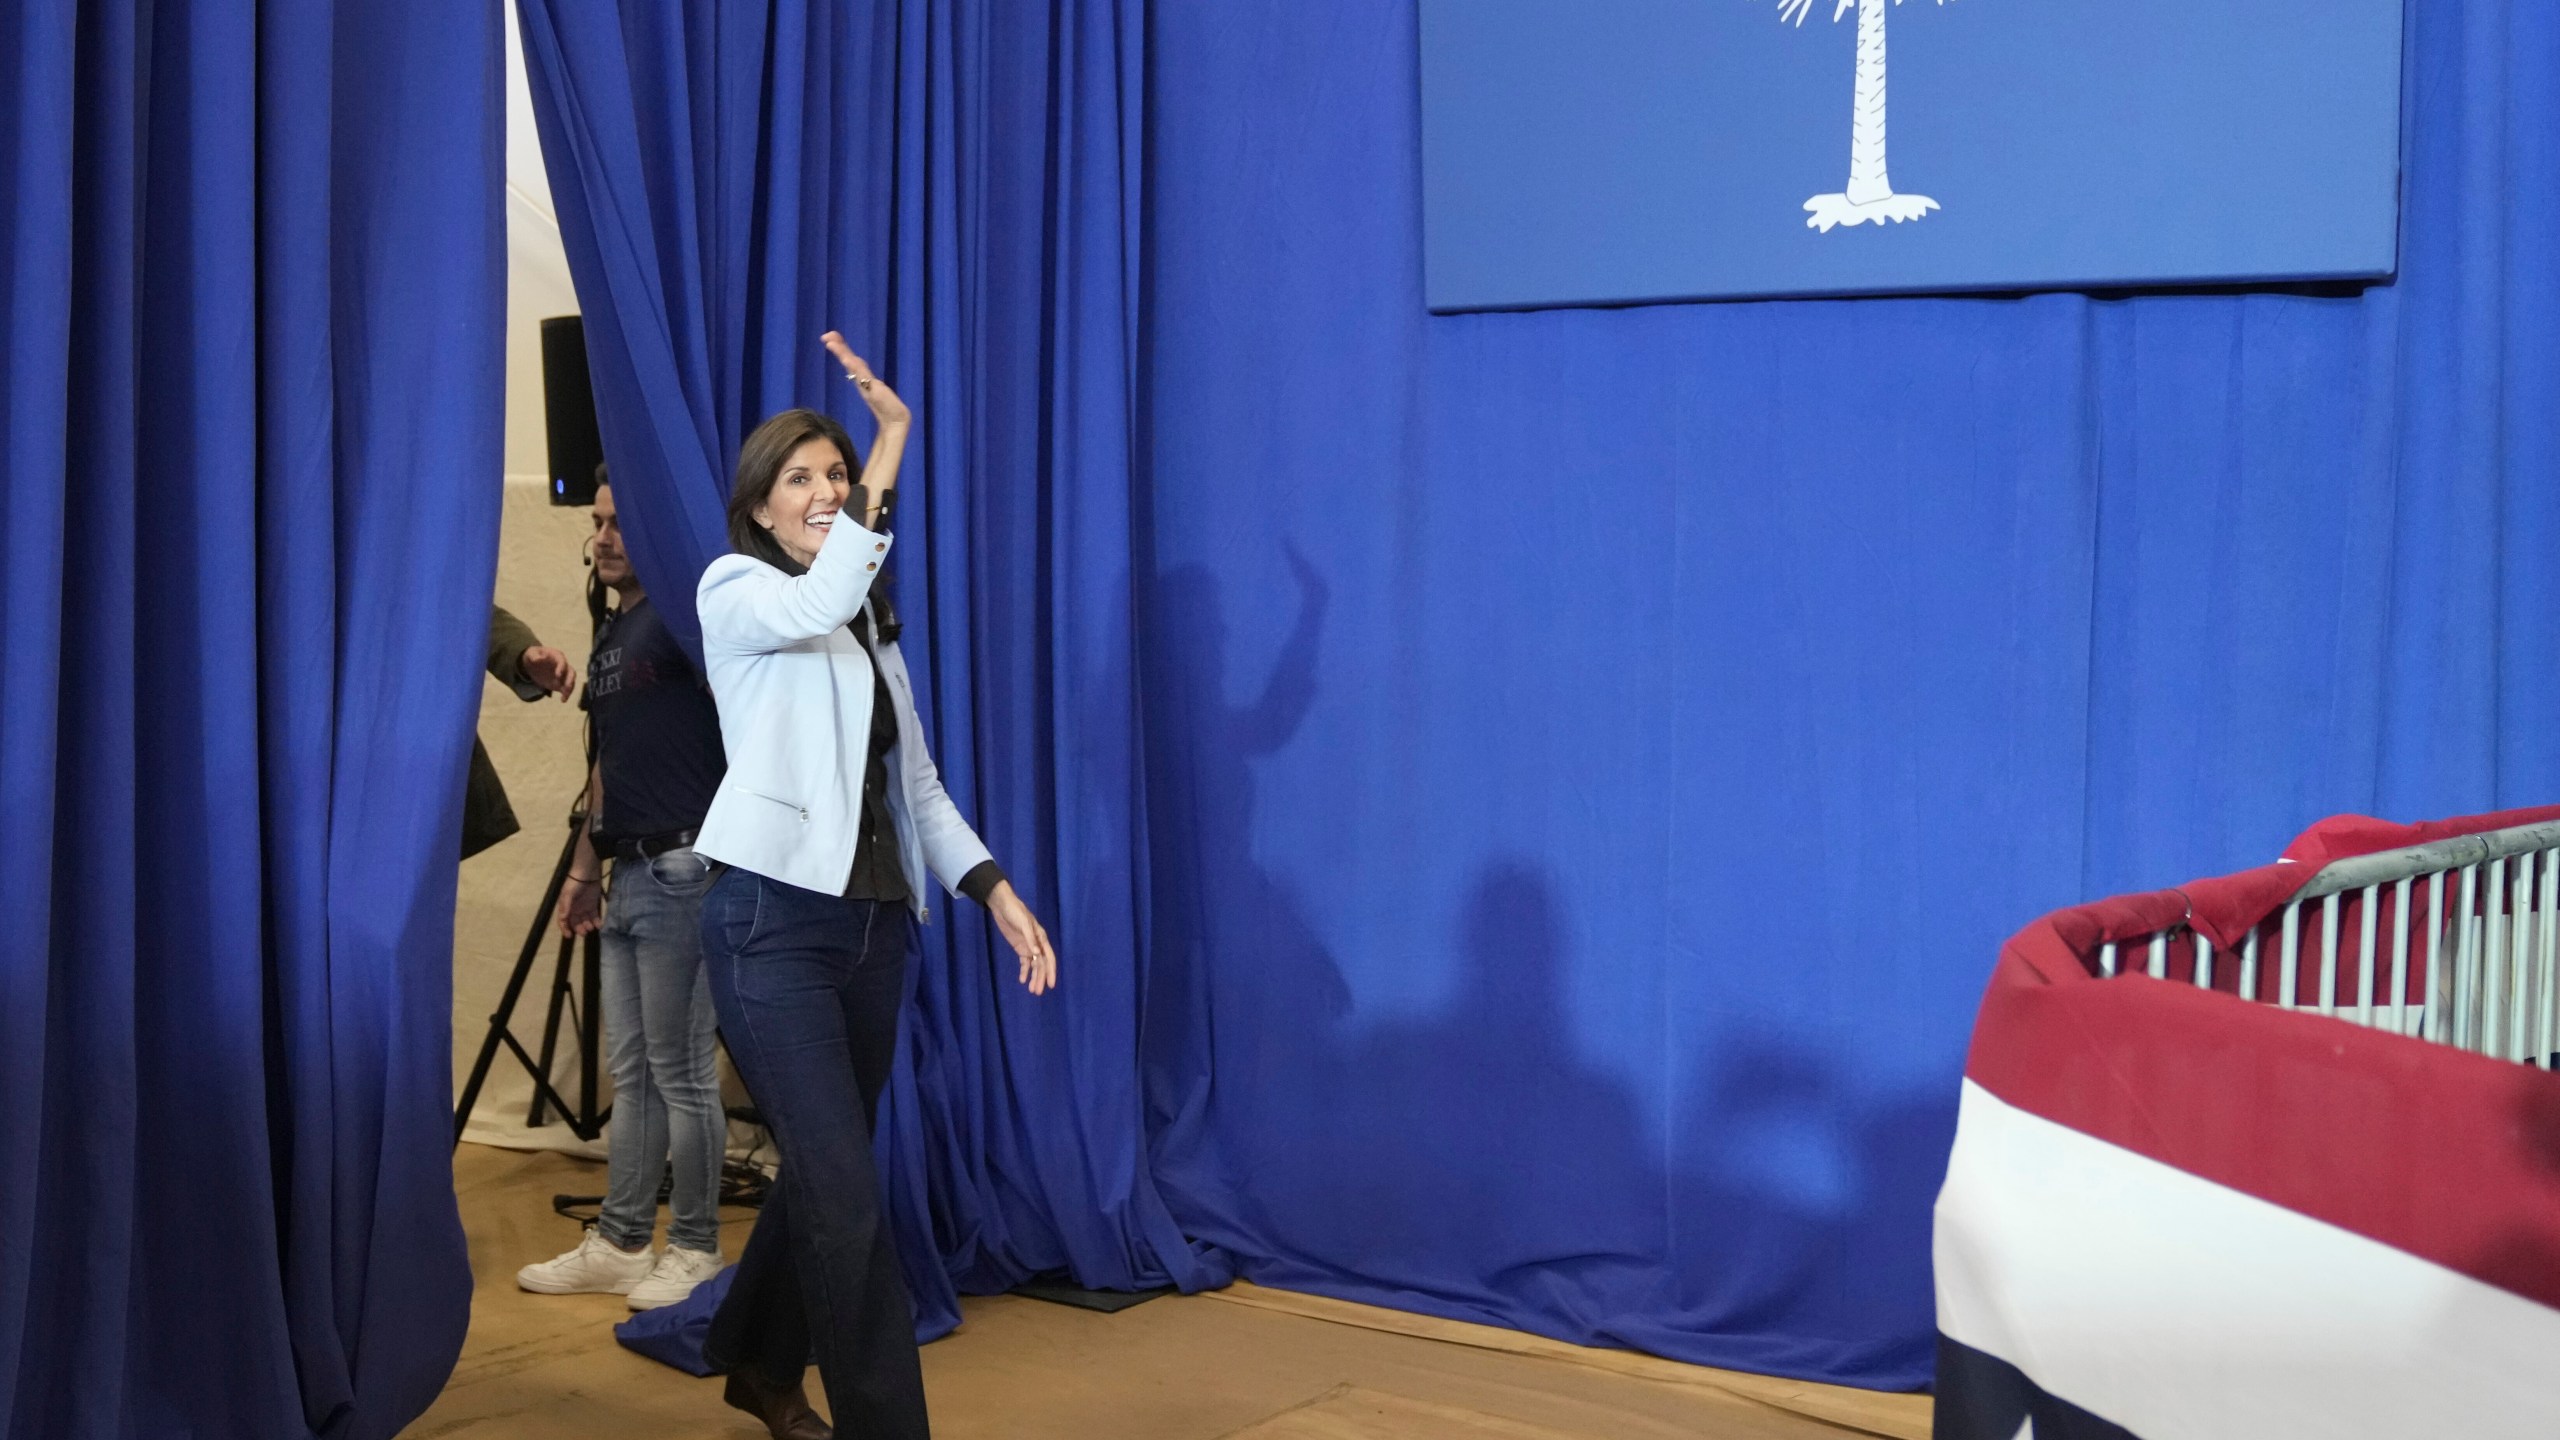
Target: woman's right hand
x=885 y=405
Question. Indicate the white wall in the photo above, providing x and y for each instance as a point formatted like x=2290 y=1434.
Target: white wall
x=539 y=748
x=537 y=271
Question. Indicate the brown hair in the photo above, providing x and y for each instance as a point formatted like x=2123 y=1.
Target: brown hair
x=760 y=464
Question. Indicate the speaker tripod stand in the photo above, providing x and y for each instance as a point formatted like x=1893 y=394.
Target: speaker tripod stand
x=577 y=983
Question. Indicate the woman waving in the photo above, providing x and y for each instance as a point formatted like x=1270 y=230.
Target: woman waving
x=834 y=827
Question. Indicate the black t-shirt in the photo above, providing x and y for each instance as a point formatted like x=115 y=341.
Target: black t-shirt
x=657 y=730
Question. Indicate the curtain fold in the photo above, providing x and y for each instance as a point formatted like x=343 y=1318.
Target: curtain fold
x=252 y=387
x=953 y=187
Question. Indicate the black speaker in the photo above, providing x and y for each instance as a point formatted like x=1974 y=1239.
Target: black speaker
x=569 y=412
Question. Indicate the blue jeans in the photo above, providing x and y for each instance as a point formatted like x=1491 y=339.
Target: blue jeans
x=658 y=1042
x=808 y=987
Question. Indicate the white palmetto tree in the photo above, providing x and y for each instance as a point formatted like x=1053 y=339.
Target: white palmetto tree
x=1869 y=195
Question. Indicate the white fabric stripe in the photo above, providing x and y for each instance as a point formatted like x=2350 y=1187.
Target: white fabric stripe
x=2185 y=1310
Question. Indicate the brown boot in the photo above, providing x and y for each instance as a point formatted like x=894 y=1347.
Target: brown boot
x=785 y=1411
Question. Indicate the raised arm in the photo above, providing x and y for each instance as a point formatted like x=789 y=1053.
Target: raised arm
x=880 y=467
x=753 y=606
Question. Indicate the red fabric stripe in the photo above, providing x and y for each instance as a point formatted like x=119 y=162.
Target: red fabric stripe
x=2446 y=1155
x=2449 y=1156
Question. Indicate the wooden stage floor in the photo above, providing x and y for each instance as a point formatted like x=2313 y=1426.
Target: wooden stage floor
x=1245 y=1364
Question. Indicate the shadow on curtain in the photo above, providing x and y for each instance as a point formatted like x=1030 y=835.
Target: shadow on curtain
x=955 y=188
x=1582 y=930
x=252 y=312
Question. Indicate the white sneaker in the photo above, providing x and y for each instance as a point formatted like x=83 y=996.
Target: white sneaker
x=596 y=1267
x=679 y=1270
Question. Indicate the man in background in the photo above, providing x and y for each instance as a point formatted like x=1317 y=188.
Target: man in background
x=658 y=761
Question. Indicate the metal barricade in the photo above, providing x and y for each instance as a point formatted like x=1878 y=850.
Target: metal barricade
x=2455 y=941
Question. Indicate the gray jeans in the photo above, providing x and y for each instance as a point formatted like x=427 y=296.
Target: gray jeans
x=658 y=1042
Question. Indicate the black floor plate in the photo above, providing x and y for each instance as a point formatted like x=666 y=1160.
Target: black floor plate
x=1109 y=1302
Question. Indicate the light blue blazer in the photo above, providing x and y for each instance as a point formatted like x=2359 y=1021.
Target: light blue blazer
x=795 y=691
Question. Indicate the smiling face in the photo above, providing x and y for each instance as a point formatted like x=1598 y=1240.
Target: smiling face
x=807 y=495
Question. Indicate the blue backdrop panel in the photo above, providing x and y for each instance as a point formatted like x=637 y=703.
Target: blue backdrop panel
x=1594 y=756
x=1656 y=149
x=251 y=294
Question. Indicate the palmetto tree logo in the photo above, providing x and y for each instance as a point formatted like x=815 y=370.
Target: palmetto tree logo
x=1869 y=196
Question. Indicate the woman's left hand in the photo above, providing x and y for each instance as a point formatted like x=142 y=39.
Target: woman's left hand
x=885 y=405
x=1022 y=931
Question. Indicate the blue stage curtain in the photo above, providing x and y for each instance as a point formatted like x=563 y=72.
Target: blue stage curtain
x=955 y=188
x=1596 y=754
x=1542 y=792
x=251 y=294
